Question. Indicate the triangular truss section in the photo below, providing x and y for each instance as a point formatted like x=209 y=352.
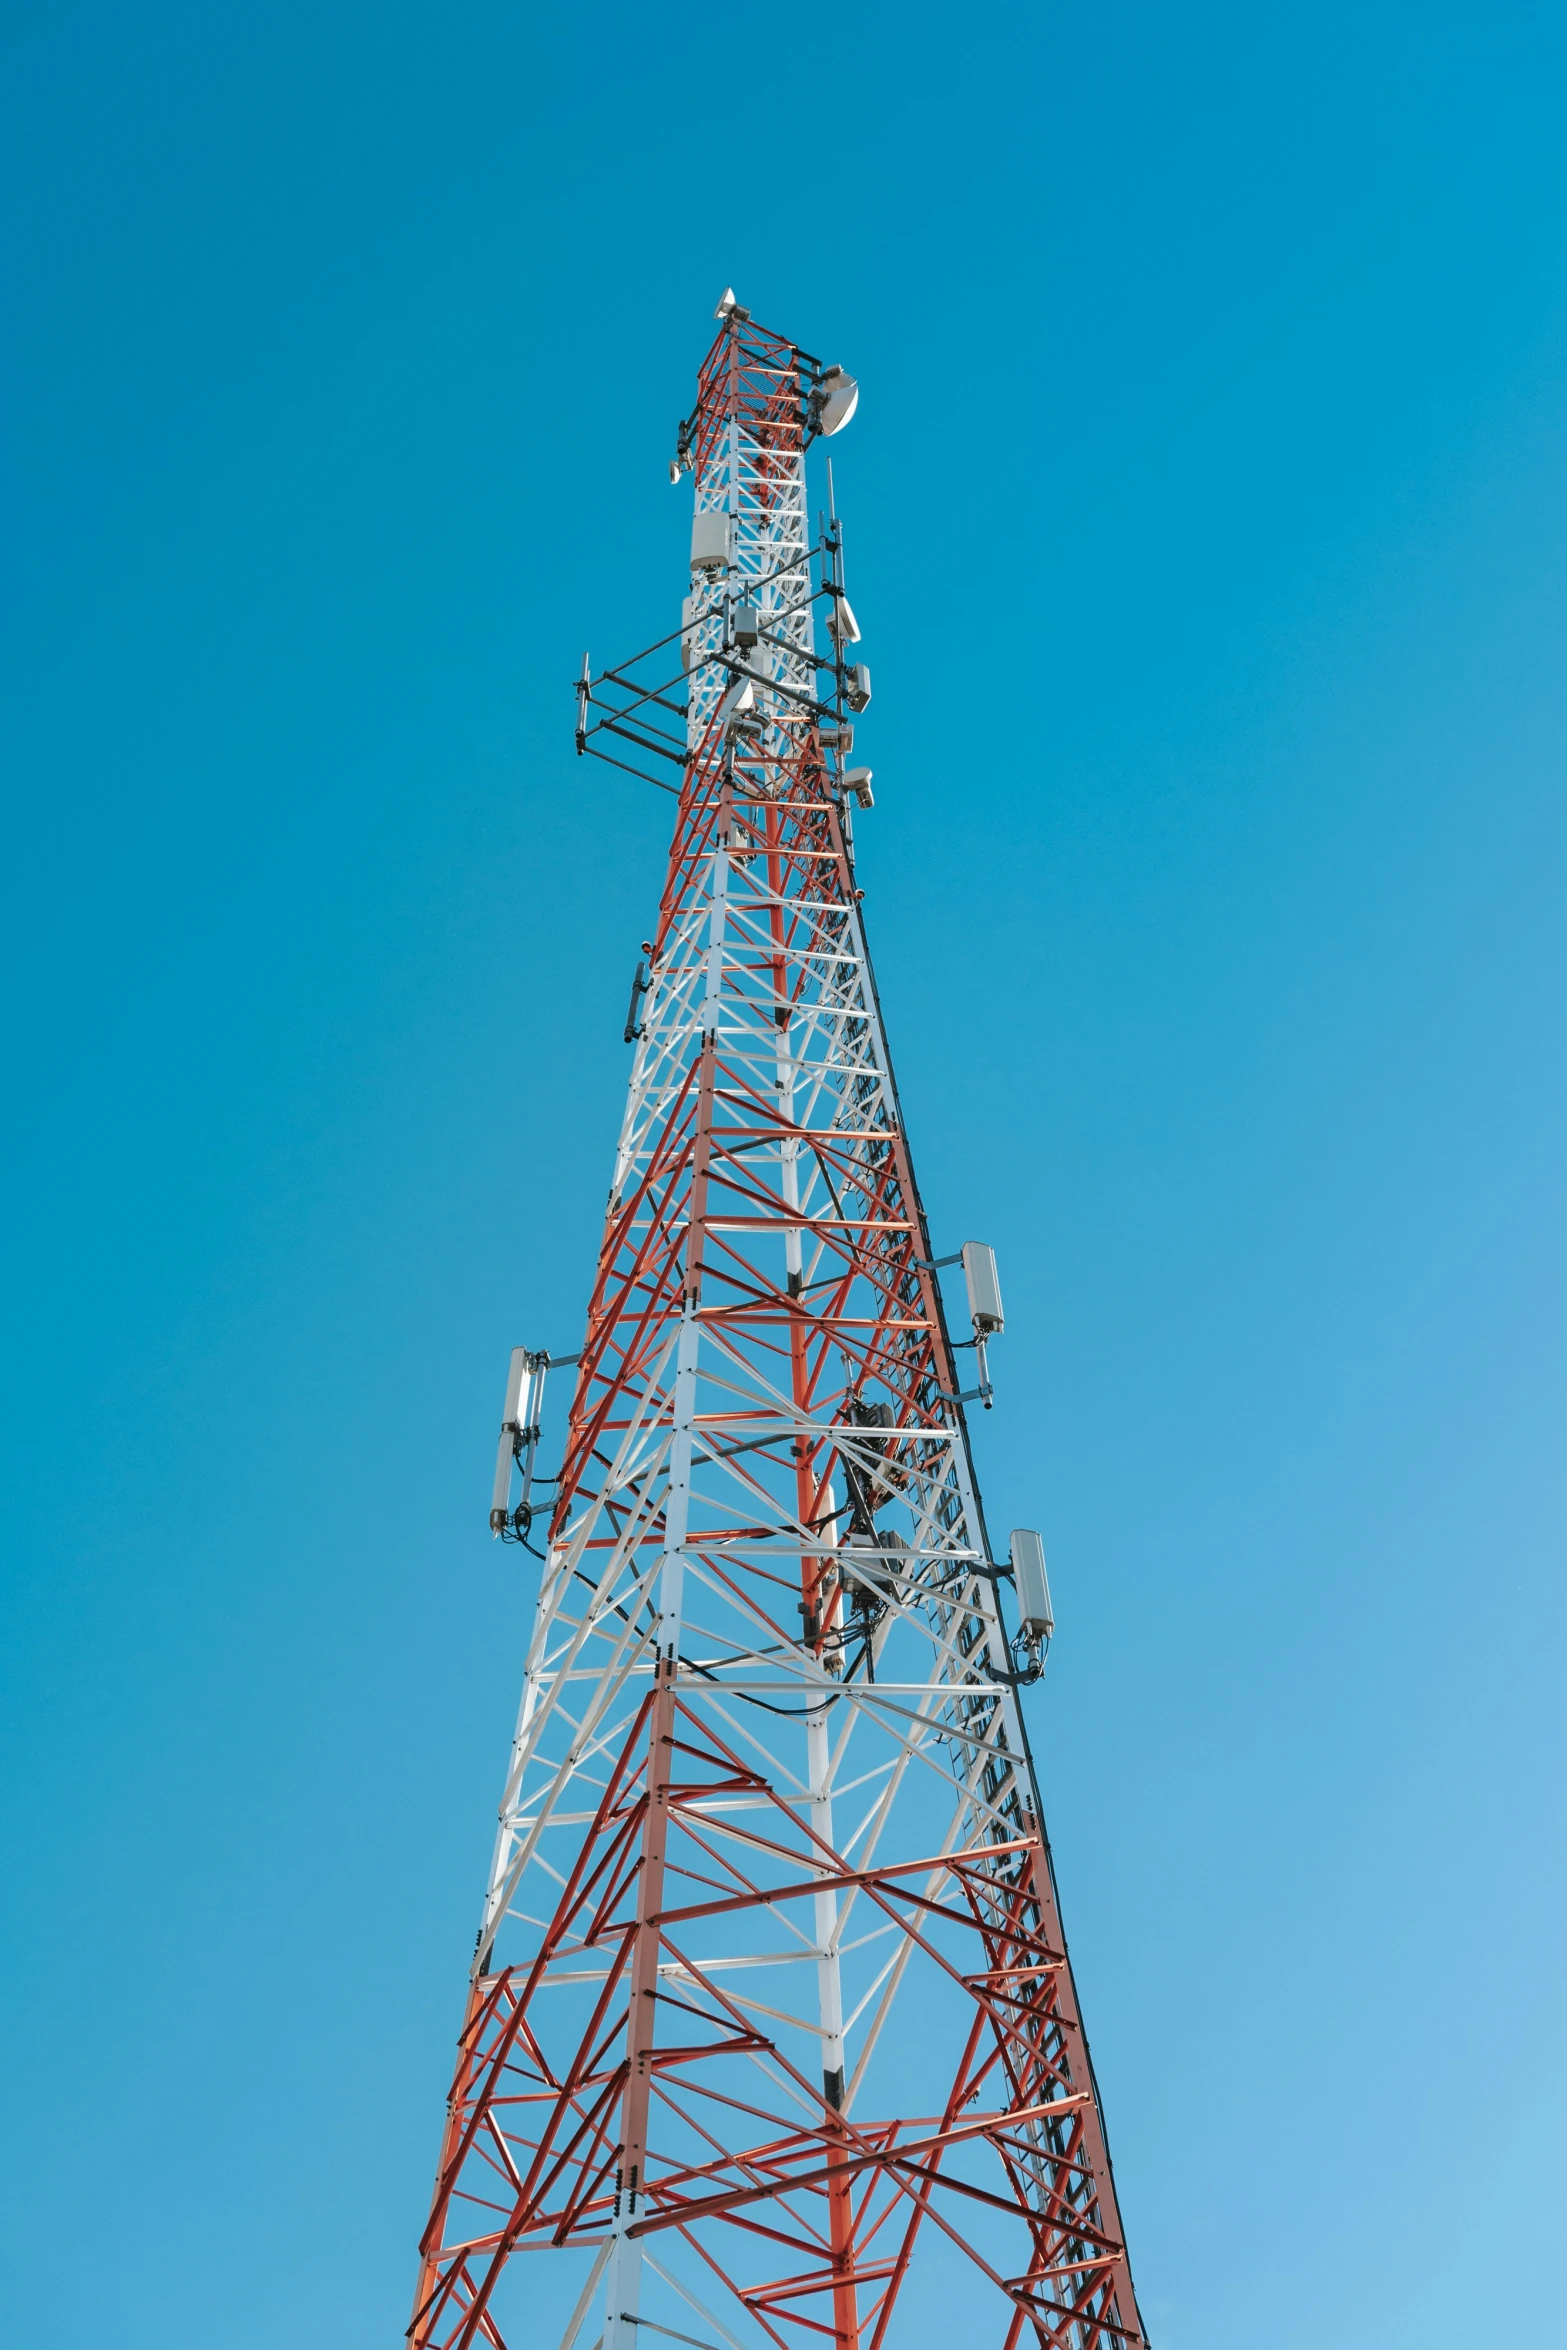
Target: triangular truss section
x=771 y=2021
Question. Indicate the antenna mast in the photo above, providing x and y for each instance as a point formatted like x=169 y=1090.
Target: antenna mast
x=771 y=2028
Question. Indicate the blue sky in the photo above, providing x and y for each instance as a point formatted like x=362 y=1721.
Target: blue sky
x=1208 y=526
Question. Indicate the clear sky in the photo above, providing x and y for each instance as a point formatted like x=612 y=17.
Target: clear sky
x=1207 y=512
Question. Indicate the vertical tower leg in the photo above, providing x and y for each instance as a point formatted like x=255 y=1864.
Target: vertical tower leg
x=624 y=2279
x=818 y=1739
x=840 y=2205
x=451 y=2139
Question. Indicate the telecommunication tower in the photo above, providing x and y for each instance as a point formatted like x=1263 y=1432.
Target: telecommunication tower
x=771 y=2032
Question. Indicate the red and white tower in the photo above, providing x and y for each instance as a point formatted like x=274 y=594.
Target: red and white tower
x=771 y=2032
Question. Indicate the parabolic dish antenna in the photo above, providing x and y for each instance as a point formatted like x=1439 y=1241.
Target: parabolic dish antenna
x=840 y=398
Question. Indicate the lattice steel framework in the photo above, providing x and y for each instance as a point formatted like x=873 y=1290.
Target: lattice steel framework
x=771 y=2020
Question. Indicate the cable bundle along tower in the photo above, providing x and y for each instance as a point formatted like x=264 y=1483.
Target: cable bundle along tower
x=771 y=2035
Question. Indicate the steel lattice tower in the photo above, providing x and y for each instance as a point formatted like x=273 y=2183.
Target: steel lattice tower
x=771 y=2030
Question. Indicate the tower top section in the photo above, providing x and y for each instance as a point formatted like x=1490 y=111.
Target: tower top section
x=776 y=393
x=752 y=682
